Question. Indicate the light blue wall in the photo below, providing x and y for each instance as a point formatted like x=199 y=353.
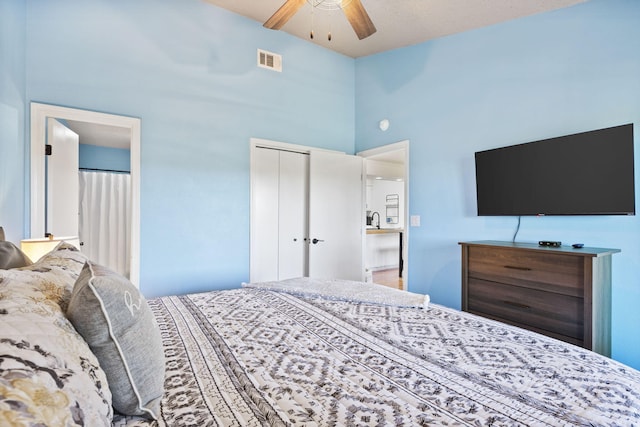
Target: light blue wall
x=188 y=70
x=12 y=120
x=104 y=158
x=548 y=75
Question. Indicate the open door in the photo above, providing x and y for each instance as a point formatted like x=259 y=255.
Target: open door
x=336 y=216
x=62 y=180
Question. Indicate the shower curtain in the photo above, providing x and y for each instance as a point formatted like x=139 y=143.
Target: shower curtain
x=105 y=219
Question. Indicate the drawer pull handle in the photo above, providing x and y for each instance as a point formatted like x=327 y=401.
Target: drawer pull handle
x=513 y=267
x=517 y=304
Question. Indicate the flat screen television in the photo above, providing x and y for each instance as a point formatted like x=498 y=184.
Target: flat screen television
x=589 y=173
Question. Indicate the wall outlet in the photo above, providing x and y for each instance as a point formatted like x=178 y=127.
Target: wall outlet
x=415 y=220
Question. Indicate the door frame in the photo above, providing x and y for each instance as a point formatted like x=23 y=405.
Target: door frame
x=39 y=114
x=400 y=145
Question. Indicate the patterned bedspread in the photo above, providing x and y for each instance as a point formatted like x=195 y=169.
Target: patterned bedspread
x=259 y=357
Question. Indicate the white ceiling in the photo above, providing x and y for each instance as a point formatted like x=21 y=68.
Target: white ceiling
x=399 y=22
x=102 y=135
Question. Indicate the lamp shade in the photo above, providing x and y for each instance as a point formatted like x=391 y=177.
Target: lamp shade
x=37 y=248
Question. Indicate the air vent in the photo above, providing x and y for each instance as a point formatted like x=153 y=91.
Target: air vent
x=269 y=60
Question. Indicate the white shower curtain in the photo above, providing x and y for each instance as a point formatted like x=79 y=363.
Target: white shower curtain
x=105 y=219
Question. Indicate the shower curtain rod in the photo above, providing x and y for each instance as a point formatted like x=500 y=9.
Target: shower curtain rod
x=103 y=170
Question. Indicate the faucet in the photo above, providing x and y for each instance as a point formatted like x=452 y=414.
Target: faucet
x=372 y=215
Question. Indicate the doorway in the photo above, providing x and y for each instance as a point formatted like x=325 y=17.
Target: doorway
x=40 y=113
x=387 y=201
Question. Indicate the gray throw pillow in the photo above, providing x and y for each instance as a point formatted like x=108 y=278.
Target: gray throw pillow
x=12 y=257
x=115 y=320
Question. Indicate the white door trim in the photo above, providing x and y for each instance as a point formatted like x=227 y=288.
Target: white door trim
x=401 y=145
x=39 y=114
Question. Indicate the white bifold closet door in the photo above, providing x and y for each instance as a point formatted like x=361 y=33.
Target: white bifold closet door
x=307 y=215
x=105 y=219
x=280 y=194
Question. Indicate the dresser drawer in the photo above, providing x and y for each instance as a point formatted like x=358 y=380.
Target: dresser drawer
x=561 y=292
x=556 y=313
x=545 y=271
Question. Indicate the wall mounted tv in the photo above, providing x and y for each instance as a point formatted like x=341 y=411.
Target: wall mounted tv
x=589 y=173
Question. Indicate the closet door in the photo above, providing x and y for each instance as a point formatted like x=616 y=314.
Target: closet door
x=293 y=215
x=280 y=185
x=307 y=215
x=265 y=220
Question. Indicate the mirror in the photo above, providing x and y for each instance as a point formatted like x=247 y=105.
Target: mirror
x=39 y=115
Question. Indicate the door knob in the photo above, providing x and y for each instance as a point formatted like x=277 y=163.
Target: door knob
x=314 y=241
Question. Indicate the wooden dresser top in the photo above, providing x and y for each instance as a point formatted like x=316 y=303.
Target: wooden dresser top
x=568 y=249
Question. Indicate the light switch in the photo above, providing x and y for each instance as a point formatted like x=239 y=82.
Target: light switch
x=415 y=220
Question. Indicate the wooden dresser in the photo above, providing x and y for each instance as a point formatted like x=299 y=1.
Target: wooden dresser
x=561 y=292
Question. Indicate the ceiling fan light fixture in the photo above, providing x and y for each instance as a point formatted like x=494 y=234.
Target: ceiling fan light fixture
x=328 y=4
x=353 y=10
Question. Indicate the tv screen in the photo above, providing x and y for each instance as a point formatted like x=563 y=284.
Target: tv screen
x=589 y=173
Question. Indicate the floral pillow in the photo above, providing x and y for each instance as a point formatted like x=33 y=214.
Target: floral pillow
x=48 y=374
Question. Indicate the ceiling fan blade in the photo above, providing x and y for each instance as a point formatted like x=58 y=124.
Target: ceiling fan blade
x=282 y=15
x=359 y=19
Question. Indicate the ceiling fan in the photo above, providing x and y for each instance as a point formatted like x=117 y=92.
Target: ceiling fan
x=353 y=10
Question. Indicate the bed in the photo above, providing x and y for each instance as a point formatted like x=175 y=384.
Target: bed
x=301 y=352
